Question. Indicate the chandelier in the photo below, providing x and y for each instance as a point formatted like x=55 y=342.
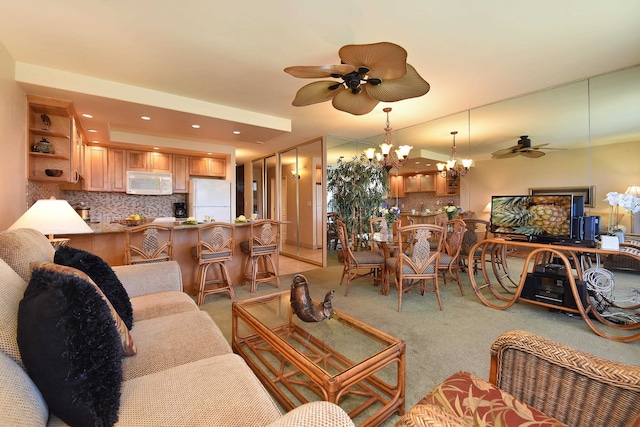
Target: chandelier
x=455 y=166
x=388 y=159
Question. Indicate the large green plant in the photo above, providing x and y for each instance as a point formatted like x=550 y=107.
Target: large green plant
x=358 y=188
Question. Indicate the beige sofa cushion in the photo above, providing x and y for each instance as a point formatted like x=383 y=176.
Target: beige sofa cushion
x=22 y=246
x=11 y=291
x=216 y=391
x=161 y=304
x=168 y=341
x=21 y=403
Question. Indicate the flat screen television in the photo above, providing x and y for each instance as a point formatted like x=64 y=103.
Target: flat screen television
x=539 y=217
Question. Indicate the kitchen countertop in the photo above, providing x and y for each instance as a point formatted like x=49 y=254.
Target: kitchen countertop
x=114 y=227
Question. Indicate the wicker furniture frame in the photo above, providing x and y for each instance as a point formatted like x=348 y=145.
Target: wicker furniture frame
x=339 y=360
x=573 y=387
x=570 y=256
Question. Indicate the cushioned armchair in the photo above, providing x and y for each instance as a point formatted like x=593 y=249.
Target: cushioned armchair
x=535 y=381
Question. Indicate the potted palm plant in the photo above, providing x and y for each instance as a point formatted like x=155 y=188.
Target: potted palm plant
x=358 y=188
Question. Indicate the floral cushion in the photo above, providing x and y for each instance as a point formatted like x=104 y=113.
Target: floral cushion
x=480 y=403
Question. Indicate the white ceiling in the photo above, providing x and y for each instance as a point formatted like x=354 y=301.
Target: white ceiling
x=220 y=63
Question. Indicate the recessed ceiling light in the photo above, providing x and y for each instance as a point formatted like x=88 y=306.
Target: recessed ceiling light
x=195 y=126
x=236 y=132
x=156 y=148
x=259 y=142
x=145 y=117
x=88 y=116
x=95 y=141
x=208 y=154
x=92 y=130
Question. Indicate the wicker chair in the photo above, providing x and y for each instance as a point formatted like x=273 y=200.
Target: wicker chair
x=214 y=248
x=261 y=252
x=476 y=230
x=148 y=243
x=448 y=264
x=358 y=263
x=554 y=384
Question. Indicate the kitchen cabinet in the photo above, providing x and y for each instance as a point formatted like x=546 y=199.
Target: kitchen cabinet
x=117 y=170
x=447 y=186
x=420 y=183
x=397 y=185
x=54 y=140
x=96 y=177
x=180 y=174
x=207 y=166
x=148 y=161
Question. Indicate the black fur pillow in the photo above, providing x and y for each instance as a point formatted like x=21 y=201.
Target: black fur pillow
x=103 y=276
x=71 y=348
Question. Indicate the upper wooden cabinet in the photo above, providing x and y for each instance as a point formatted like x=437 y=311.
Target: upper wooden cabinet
x=96 y=177
x=424 y=182
x=208 y=166
x=148 y=161
x=397 y=185
x=447 y=186
x=180 y=174
x=54 y=140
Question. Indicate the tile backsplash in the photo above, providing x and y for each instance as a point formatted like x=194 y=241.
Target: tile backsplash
x=107 y=206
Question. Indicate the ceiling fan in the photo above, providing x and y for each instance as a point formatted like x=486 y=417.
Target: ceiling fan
x=523 y=148
x=368 y=74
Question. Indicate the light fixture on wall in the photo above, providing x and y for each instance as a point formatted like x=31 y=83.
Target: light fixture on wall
x=455 y=166
x=388 y=159
x=53 y=216
x=294 y=174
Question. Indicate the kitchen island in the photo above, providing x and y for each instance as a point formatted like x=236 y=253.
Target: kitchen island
x=108 y=242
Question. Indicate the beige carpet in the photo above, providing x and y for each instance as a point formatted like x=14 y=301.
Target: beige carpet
x=440 y=343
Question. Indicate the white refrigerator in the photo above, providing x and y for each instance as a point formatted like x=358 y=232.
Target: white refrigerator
x=210 y=197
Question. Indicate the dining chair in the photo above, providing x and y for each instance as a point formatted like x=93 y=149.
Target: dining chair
x=332 y=230
x=377 y=225
x=262 y=252
x=354 y=262
x=475 y=230
x=448 y=265
x=214 y=248
x=415 y=262
x=148 y=243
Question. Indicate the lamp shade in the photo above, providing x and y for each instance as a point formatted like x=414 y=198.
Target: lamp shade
x=52 y=216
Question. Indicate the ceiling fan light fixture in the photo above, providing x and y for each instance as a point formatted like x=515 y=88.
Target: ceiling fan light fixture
x=380 y=69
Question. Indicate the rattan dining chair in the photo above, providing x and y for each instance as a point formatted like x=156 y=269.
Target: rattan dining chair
x=261 y=263
x=358 y=264
x=449 y=266
x=214 y=248
x=415 y=263
x=148 y=243
x=475 y=230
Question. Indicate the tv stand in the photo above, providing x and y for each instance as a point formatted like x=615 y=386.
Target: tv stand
x=565 y=291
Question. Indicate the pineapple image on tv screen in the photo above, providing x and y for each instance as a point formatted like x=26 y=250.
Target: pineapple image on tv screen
x=532 y=215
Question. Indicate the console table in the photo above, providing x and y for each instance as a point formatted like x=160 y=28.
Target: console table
x=494 y=251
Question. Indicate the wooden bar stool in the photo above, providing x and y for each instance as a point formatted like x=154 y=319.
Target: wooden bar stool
x=148 y=243
x=262 y=252
x=214 y=247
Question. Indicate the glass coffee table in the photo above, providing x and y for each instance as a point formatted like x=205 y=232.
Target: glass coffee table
x=340 y=360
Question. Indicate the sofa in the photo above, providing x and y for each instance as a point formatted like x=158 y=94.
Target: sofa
x=180 y=370
x=534 y=381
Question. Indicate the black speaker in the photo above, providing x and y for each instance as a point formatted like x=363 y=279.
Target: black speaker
x=553 y=289
x=591 y=227
x=577 y=227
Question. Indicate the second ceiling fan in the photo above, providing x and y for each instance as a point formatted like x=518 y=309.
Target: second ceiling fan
x=522 y=148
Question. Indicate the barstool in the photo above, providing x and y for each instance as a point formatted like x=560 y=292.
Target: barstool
x=215 y=246
x=148 y=243
x=261 y=249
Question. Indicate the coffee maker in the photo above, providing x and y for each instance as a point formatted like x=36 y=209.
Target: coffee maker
x=180 y=210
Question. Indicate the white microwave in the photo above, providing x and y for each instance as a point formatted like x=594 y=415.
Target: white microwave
x=149 y=183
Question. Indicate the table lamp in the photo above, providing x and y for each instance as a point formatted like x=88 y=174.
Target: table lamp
x=53 y=216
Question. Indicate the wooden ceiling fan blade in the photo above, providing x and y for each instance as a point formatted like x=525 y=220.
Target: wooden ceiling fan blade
x=509 y=150
x=316 y=92
x=356 y=104
x=539 y=146
x=411 y=85
x=533 y=154
x=384 y=60
x=318 y=71
x=504 y=155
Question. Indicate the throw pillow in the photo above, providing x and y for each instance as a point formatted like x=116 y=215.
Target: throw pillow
x=128 y=346
x=71 y=348
x=102 y=274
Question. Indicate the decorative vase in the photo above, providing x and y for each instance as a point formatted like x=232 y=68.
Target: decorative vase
x=44 y=146
x=451 y=215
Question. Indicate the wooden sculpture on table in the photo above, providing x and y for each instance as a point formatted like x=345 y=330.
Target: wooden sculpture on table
x=302 y=304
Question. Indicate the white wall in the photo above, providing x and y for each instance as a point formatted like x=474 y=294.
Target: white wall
x=13 y=125
x=608 y=168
